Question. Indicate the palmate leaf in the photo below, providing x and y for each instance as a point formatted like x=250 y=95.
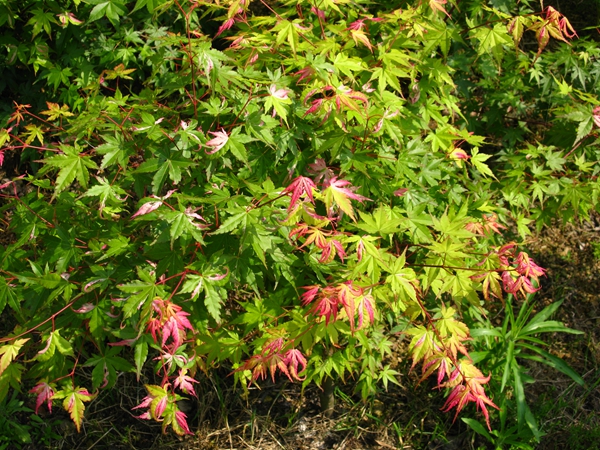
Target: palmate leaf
x=149 y=4
x=111 y=9
x=478 y=160
x=379 y=222
x=235 y=144
x=142 y=293
x=73 y=402
x=55 y=111
x=491 y=40
x=337 y=193
x=183 y=224
x=71 y=165
x=9 y=353
x=106 y=191
x=55 y=342
x=8 y=296
x=106 y=366
x=42 y=20
x=214 y=295
x=11 y=377
x=115 y=151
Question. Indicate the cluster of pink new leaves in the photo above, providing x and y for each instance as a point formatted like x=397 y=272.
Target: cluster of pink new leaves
x=73 y=399
x=518 y=274
x=273 y=356
x=336 y=194
x=161 y=402
x=437 y=345
x=170 y=322
x=169 y=326
x=329 y=301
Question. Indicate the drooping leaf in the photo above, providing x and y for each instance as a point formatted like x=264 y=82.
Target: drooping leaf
x=74 y=397
x=9 y=352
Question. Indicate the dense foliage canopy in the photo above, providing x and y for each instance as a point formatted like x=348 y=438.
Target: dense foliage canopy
x=280 y=187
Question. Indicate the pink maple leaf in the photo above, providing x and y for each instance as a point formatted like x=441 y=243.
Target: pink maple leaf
x=315 y=106
x=326 y=304
x=147 y=208
x=171 y=329
x=185 y=383
x=281 y=94
x=320 y=171
x=471 y=391
x=44 y=394
x=310 y=294
x=319 y=12
x=182 y=321
x=595 y=116
x=180 y=417
x=339 y=185
x=329 y=250
x=85 y=308
x=154 y=327
x=308 y=72
x=218 y=142
x=438 y=5
x=161 y=405
x=191 y=213
x=146 y=401
x=339 y=192
x=366 y=303
x=357 y=25
x=527 y=267
x=300 y=186
x=225 y=26
x=293 y=359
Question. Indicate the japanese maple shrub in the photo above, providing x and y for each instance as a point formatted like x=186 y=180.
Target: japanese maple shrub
x=280 y=198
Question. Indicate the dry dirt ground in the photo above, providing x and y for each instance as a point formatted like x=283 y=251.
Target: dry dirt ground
x=281 y=416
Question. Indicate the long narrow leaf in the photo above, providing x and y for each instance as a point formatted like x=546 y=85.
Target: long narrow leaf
x=546 y=312
x=509 y=359
x=478 y=427
x=519 y=394
x=554 y=362
x=551 y=326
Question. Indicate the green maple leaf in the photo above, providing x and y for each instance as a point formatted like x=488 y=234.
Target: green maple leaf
x=8 y=295
x=106 y=367
x=379 y=222
x=106 y=191
x=235 y=144
x=214 y=295
x=55 y=342
x=55 y=111
x=11 y=377
x=142 y=293
x=492 y=40
x=183 y=224
x=423 y=343
x=72 y=165
x=42 y=20
x=115 y=151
